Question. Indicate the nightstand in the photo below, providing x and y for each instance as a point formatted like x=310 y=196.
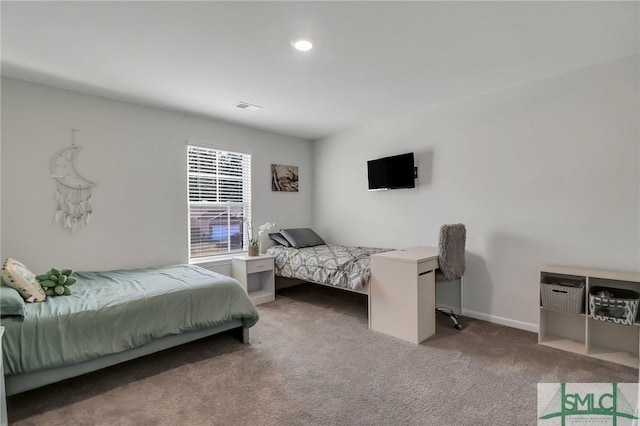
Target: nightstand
x=255 y=273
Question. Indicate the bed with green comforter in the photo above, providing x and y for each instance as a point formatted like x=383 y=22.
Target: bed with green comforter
x=115 y=312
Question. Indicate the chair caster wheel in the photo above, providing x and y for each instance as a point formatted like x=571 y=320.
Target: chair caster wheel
x=457 y=327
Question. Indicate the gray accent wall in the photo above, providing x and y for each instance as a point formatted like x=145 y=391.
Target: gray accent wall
x=137 y=157
x=545 y=172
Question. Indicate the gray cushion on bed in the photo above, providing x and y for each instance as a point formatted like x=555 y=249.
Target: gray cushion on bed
x=302 y=237
x=280 y=239
x=11 y=303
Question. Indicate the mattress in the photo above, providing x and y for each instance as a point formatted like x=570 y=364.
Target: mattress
x=339 y=266
x=114 y=311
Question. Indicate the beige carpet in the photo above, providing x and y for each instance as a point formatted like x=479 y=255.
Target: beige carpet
x=312 y=361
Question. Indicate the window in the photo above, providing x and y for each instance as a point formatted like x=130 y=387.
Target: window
x=219 y=201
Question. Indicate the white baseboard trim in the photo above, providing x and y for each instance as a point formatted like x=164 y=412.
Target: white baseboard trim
x=502 y=321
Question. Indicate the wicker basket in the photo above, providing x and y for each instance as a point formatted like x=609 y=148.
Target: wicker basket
x=615 y=305
x=562 y=295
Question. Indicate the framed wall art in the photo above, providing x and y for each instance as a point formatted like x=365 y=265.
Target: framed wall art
x=284 y=178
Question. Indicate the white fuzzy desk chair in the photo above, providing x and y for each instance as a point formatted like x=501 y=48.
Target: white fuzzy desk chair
x=451 y=261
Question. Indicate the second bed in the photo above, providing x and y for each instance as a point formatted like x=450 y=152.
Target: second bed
x=348 y=268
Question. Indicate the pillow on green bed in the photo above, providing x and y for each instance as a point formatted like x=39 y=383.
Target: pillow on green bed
x=11 y=303
x=17 y=276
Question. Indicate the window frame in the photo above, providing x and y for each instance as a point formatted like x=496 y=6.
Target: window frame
x=211 y=188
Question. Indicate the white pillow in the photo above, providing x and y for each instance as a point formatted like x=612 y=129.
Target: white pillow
x=16 y=275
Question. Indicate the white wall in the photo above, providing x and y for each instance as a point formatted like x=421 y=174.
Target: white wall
x=543 y=172
x=137 y=156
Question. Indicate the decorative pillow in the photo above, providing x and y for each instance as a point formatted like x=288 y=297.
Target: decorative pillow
x=279 y=238
x=16 y=275
x=302 y=237
x=11 y=303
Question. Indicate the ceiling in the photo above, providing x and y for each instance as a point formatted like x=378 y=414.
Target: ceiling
x=371 y=60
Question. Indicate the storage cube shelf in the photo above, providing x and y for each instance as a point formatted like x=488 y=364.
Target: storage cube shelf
x=579 y=332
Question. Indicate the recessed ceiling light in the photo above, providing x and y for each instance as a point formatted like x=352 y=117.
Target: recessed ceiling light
x=302 y=44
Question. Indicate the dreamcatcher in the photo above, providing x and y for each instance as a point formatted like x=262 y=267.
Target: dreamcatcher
x=73 y=196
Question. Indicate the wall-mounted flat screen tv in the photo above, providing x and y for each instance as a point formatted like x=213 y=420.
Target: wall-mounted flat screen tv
x=394 y=172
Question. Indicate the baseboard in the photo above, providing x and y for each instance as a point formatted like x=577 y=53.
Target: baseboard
x=502 y=321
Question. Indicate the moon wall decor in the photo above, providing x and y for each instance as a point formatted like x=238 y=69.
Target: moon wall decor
x=73 y=195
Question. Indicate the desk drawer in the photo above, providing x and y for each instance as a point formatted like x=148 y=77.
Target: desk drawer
x=427 y=266
x=259 y=265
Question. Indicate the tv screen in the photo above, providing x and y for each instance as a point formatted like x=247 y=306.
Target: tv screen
x=392 y=172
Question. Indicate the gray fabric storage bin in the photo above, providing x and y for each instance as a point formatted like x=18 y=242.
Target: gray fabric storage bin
x=562 y=295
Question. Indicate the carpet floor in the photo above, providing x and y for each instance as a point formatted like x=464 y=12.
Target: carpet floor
x=312 y=361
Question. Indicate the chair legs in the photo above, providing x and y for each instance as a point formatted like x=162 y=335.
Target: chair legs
x=448 y=312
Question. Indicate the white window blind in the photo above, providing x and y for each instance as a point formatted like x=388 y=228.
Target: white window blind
x=219 y=201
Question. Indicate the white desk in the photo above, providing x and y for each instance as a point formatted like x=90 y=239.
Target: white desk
x=402 y=294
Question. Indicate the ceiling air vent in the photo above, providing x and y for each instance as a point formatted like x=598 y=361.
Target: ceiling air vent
x=247 y=106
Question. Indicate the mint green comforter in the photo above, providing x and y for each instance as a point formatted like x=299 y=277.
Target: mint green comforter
x=114 y=311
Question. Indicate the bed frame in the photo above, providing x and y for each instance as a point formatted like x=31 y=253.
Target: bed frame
x=18 y=383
